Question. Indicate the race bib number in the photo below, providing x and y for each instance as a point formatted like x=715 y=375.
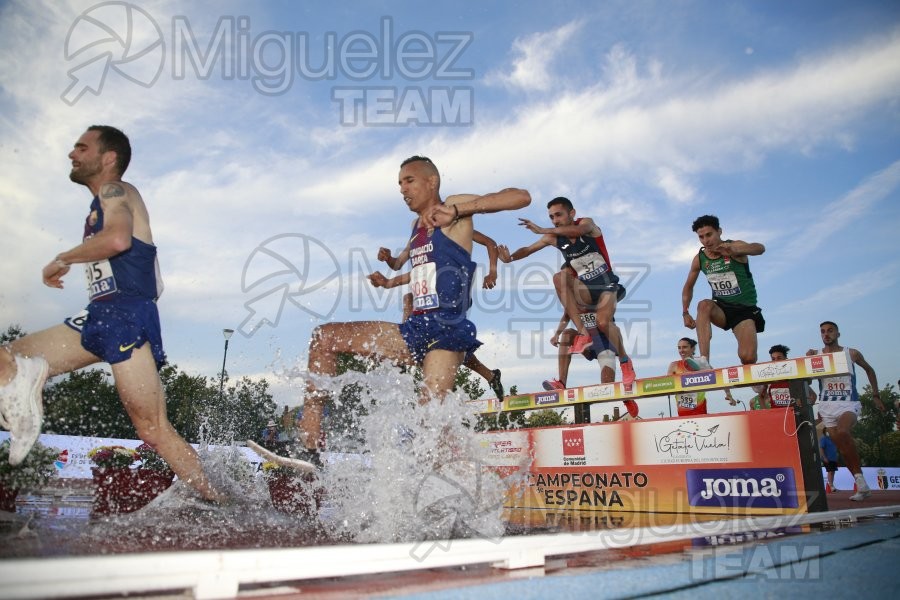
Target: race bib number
x=100 y=279
x=836 y=388
x=780 y=395
x=688 y=401
x=77 y=322
x=589 y=266
x=723 y=284
x=423 y=280
x=589 y=320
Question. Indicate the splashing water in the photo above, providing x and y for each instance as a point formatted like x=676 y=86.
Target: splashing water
x=178 y=518
x=422 y=474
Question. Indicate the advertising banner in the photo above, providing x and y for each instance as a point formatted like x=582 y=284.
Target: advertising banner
x=743 y=463
x=805 y=367
x=73 y=461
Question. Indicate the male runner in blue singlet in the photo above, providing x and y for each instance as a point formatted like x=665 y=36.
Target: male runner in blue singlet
x=437 y=335
x=121 y=323
x=378 y=279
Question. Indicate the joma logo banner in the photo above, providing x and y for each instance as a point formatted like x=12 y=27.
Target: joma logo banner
x=742 y=488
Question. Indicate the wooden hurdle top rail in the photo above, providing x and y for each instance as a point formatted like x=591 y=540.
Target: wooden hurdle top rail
x=806 y=367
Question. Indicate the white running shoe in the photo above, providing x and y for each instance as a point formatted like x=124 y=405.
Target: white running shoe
x=703 y=363
x=862 y=488
x=22 y=406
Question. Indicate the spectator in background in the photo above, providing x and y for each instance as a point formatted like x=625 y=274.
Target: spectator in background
x=270 y=435
x=829 y=458
x=778 y=394
x=691 y=403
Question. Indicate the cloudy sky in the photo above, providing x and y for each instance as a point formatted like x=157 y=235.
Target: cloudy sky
x=267 y=138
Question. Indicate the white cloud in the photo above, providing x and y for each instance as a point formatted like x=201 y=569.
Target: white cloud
x=842 y=212
x=222 y=168
x=674 y=185
x=848 y=291
x=534 y=60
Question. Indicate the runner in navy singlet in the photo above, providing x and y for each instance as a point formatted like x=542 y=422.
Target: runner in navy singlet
x=438 y=332
x=377 y=279
x=121 y=322
x=587 y=280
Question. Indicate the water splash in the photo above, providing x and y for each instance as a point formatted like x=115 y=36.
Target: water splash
x=422 y=473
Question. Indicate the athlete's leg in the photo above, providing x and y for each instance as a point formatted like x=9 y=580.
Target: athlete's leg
x=708 y=314
x=407 y=306
x=843 y=439
x=564 y=359
x=476 y=365
x=141 y=392
x=25 y=365
x=572 y=295
x=607 y=366
x=377 y=339
x=59 y=345
x=745 y=334
x=439 y=374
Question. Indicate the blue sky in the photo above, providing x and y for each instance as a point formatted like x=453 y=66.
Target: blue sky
x=781 y=118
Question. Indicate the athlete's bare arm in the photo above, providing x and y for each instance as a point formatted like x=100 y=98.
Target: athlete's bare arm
x=458 y=207
x=585 y=227
x=123 y=210
x=857 y=357
x=687 y=292
x=739 y=249
x=525 y=251
x=490 y=280
x=377 y=279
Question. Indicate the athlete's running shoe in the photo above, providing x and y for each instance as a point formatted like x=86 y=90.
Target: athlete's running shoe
x=22 y=406
x=698 y=364
x=862 y=488
x=497 y=385
x=580 y=344
x=632 y=408
x=553 y=384
x=627 y=373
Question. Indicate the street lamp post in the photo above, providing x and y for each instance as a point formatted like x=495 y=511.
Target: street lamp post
x=227 y=333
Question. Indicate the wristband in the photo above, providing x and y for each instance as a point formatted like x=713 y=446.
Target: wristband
x=455 y=213
x=686 y=313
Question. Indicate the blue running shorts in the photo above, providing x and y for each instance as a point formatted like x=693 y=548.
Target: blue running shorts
x=113 y=329
x=433 y=331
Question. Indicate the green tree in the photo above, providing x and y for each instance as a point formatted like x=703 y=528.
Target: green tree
x=188 y=398
x=251 y=406
x=873 y=425
x=544 y=418
x=86 y=403
x=503 y=420
x=890 y=448
x=470 y=382
x=13 y=332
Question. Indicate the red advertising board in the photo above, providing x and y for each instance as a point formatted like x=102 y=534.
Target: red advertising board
x=744 y=463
